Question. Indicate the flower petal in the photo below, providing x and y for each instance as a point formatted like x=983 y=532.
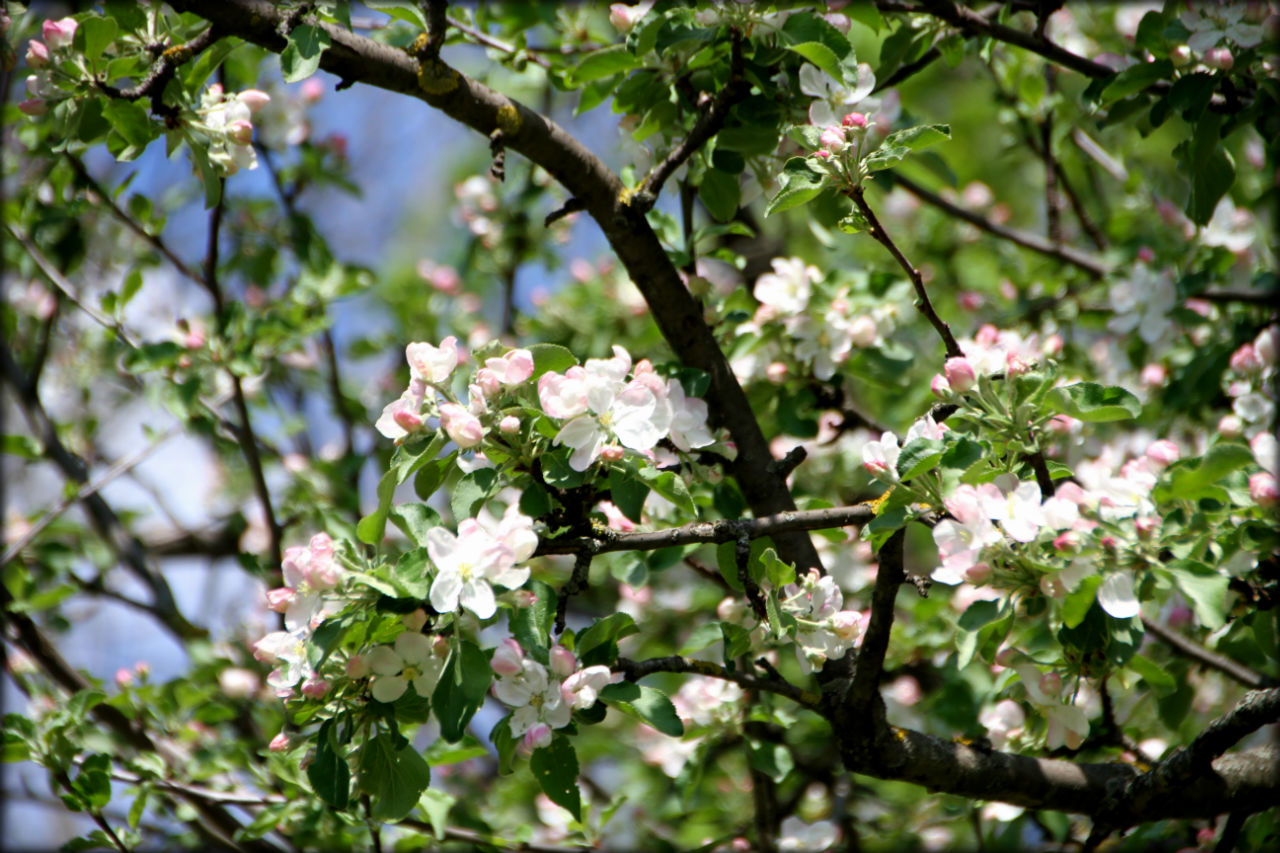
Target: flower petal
x=1116 y=597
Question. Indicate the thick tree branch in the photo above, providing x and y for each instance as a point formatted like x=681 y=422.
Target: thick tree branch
x=711 y=532
x=678 y=315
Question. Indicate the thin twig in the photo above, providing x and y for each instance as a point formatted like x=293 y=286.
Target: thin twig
x=925 y=307
x=634 y=670
x=1090 y=264
x=875 y=642
x=1180 y=644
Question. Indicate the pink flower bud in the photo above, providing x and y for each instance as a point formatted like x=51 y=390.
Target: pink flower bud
x=1007 y=656
x=1154 y=375
x=612 y=453
x=33 y=106
x=970 y=300
x=863 y=331
x=832 y=139
x=124 y=677
x=357 y=667
x=1145 y=254
x=978 y=574
x=1051 y=683
x=460 y=425
x=508 y=658
x=1180 y=56
x=240 y=132
x=776 y=372
x=854 y=120
x=538 y=736
x=1163 y=452
x=823 y=154
x=278 y=600
x=254 y=99
x=37 y=54
x=563 y=663
x=1219 y=58
x=1146 y=525
x=1231 y=426
x=59 y=34
x=279 y=743
x=407 y=421
x=1245 y=359
x=315 y=687
x=488 y=382
x=939 y=386
x=414 y=621
x=312 y=90
x=1262 y=488
x=960 y=374
x=510 y=425
x=1016 y=365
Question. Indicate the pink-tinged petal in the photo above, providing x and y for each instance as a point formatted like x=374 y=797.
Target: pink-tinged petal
x=383 y=660
x=441 y=546
x=414 y=647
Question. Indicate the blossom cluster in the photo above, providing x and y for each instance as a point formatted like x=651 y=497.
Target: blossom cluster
x=992 y=351
x=478 y=557
x=543 y=698
x=1250 y=382
x=824 y=629
x=607 y=406
x=822 y=323
x=58 y=38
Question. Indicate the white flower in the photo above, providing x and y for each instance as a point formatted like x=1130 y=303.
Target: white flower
x=688 y=418
x=788 y=287
x=630 y=412
x=1018 y=512
x=796 y=836
x=411 y=661
x=1210 y=24
x=535 y=696
x=464 y=562
x=880 y=458
x=398 y=415
x=289 y=650
x=1116 y=596
x=824 y=341
x=582 y=688
x=1143 y=302
x=833 y=99
x=1003 y=721
x=432 y=364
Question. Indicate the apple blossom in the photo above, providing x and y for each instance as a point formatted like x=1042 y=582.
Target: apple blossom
x=1116 y=596
x=508 y=658
x=960 y=374
x=787 y=289
x=279 y=743
x=431 y=364
x=880 y=458
x=1262 y=488
x=535 y=696
x=461 y=425
x=59 y=34
x=37 y=55
x=411 y=661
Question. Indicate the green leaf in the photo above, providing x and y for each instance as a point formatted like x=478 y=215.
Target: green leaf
x=301 y=57
x=1094 y=403
x=436 y=805
x=472 y=491
x=461 y=691
x=919 y=455
x=531 y=626
x=598 y=644
x=416 y=520
x=670 y=485
x=645 y=703
x=371 y=528
x=394 y=775
x=1193 y=479
x=431 y=475
x=737 y=641
x=1077 y=603
x=628 y=492
x=720 y=193
x=93 y=782
x=329 y=773
x=416 y=453
x=1136 y=78
x=702 y=636
x=84 y=701
x=821 y=56
x=97 y=33
x=505 y=743
x=920 y=136
x=556 y=769
x=557 y=471
x=602 y=63
x=962 y=455
x=550 y=358
x=865 y=13
x=22 y=446
x=1160 y=681
x=779 y=573
x=1210 y=167
x=798 y=184
x=1205 y=588
x=772 y=759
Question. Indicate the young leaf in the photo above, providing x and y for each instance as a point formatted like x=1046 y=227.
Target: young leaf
x=556 y=769
x=394 y=775
x=798 y=184
x=1094 y=403
x=461 y=690
x=645 y=703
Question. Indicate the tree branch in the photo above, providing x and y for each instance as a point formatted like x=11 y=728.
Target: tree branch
x=925 y=307
x=1205 y=657
x=634 y=670
x=711 y=532
x=1090 y=264
x=678 y=315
